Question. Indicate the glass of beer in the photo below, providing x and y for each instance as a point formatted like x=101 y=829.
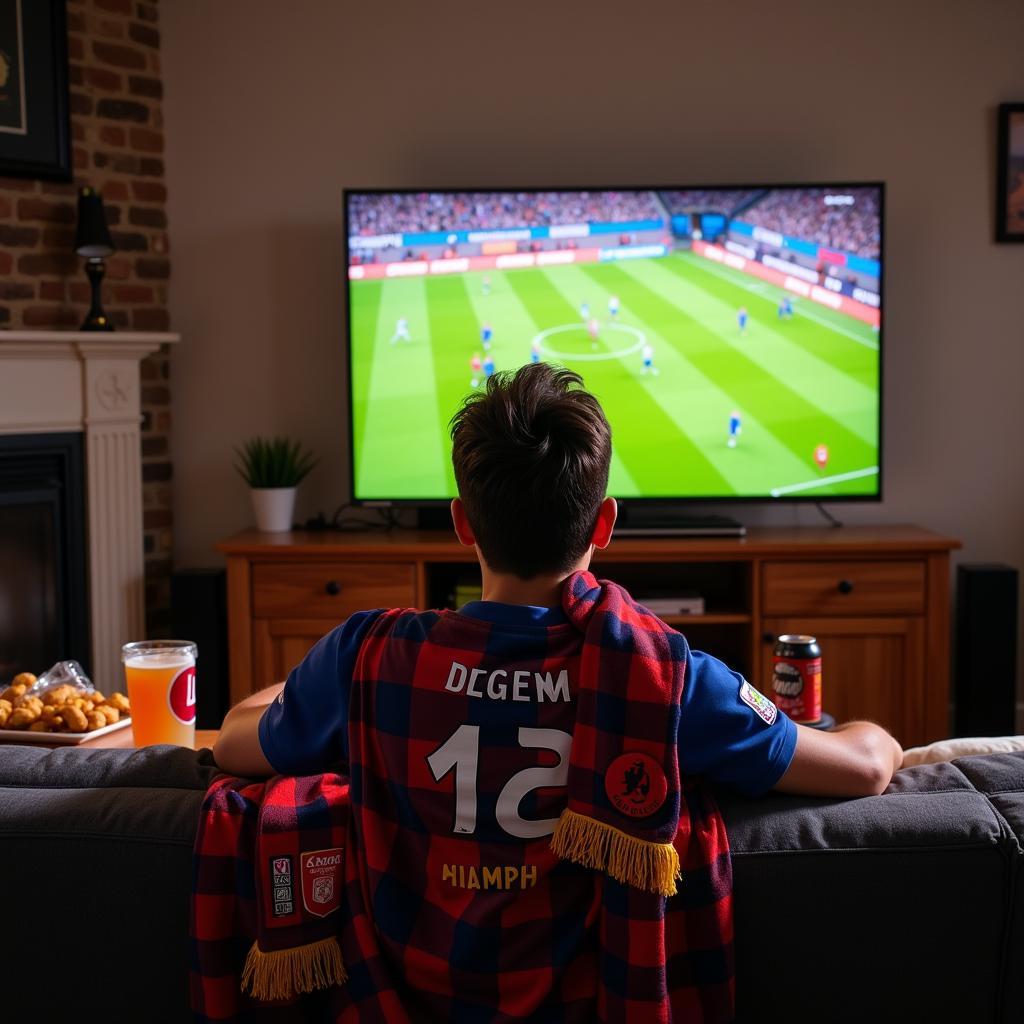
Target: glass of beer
x=161 y=679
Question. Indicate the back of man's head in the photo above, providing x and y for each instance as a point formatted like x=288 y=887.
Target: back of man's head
x=531 y=456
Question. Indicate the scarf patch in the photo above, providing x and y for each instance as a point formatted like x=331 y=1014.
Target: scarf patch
x=321 y=881
x=636 y=785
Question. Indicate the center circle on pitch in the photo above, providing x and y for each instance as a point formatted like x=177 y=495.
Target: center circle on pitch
x=540 y=341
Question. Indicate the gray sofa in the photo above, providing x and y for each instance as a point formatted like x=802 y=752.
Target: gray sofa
x=904 y=907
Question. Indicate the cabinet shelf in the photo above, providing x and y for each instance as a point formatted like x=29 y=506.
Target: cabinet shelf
x=877 y=598
x=708 y=619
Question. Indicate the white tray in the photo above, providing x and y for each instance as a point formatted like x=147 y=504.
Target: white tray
x=62 y=738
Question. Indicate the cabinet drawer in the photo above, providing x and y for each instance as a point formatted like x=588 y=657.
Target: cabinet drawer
x=843 y=588
x=331 y=591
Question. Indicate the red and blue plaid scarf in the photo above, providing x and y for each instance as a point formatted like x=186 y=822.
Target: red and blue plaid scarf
x=473 y=892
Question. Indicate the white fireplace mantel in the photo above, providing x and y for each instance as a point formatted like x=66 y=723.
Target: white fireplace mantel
x=55 y=381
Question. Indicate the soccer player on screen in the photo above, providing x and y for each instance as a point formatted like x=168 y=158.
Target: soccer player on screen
x=485 y=285
x=535 y=353
x=478 y=368
x=647 y=356
x=741 y=319
x=785 y=310
x=488 y=365
x=584 y=311
x=401 y=331
x=613 y=306
x=594 y=330
x=486 y=333
x=735 y=426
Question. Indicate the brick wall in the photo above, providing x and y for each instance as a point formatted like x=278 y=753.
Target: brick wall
x=117 y=140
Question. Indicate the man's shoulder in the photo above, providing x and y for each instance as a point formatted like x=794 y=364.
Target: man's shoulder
x=381 y=623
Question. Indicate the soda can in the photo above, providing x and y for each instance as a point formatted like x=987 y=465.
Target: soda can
x=796 y=677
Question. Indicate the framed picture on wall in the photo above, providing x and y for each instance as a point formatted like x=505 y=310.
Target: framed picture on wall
x=1010 y=174
x=34 y=90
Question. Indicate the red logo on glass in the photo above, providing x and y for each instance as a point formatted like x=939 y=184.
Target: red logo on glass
x=181 y=695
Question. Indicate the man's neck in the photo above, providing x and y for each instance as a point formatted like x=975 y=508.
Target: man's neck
x=541 y=591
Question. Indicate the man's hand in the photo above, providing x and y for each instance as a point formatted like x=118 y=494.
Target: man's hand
x=238 y=749
x=855 y=759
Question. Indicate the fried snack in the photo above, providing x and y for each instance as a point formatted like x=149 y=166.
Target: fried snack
x=21 y=718
x=74 y=719
x=95 y=720
x=60 y=694
x=65 y=708
x=33 y=704
x=112 y=715
x=119 y=701
x=52 y=718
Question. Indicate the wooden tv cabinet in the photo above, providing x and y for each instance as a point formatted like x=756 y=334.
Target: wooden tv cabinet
x=877 y=598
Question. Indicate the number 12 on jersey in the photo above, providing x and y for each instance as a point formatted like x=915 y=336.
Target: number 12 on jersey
x=461 y=752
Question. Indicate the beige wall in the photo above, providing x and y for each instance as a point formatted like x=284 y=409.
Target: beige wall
x=272 y=108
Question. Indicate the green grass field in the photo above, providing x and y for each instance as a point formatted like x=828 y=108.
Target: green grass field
x=796 y=383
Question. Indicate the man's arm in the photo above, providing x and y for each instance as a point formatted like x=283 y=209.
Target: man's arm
x=855 y=759
x=238 y=749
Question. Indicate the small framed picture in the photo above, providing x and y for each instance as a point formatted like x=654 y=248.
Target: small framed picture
x=34 y=90
x=1010 y=174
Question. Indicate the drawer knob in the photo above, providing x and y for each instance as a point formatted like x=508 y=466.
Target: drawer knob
x=333 y=588
x=845 y=586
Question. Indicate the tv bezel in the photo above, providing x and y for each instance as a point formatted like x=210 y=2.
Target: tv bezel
x=687 y=500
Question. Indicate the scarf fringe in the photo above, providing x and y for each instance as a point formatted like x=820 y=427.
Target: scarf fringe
x=653 y=867
x=284 y=973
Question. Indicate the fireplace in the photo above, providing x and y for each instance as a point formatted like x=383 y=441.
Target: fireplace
x=71 y=498
x=44 y=602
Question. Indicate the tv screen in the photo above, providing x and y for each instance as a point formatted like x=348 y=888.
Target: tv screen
x=732 y=335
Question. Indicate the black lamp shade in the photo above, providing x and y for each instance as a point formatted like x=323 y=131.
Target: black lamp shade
x=92 y=239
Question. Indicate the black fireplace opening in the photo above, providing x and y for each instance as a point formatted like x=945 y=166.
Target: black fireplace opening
x=44 y=598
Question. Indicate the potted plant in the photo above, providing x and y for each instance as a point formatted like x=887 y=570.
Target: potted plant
x=273 y=469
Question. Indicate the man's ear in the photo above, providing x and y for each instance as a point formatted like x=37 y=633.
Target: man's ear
x=606 y=516
x=462 y=528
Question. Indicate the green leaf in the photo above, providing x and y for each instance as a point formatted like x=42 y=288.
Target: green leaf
x=277 y=462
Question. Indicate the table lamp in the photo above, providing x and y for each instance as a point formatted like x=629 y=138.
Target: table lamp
x=93 y=241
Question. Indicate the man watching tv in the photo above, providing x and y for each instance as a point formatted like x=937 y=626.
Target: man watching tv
x=530 y=805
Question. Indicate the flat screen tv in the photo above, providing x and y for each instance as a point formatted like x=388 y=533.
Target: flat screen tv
x=733 y=335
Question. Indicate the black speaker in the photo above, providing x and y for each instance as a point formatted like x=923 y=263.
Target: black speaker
x=986 y=650
x=199 y=612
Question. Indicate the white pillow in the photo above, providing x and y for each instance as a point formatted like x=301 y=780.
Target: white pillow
x=947 y=750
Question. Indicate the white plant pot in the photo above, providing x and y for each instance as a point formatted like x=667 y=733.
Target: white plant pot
x=273 y=507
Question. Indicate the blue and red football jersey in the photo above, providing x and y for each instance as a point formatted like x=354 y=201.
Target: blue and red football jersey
x=465 y=758
x=721 y=737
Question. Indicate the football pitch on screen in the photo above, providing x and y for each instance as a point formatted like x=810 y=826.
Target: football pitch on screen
x=804 y=386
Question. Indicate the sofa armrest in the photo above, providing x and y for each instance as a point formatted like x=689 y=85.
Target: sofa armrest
x=96 y=847
x=904 y=906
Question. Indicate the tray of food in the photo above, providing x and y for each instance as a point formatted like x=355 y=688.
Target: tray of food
x=60 y=706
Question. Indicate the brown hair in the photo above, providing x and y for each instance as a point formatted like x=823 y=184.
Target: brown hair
x=531 y=456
